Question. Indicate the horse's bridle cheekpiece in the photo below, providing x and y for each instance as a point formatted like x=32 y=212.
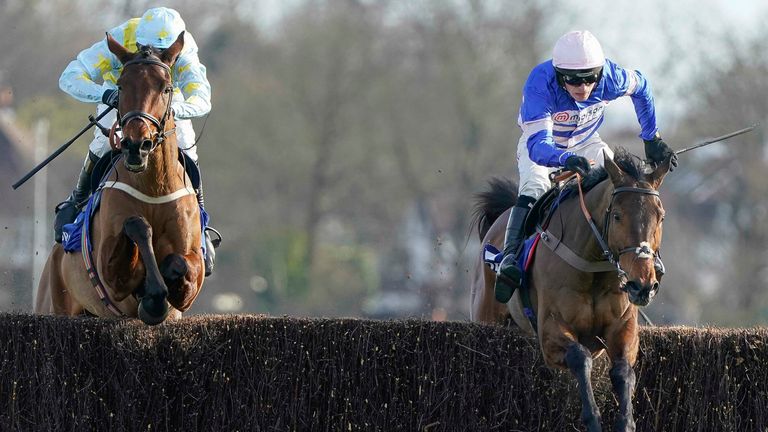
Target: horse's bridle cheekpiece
x=146 y=57
x=643 y=250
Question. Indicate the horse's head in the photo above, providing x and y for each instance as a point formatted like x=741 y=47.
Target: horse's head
x=633 y=225
x=146 y=91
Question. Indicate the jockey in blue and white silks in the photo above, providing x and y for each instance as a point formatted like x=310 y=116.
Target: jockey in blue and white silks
x=563 y=106
x=92 y=77
x=556 y=126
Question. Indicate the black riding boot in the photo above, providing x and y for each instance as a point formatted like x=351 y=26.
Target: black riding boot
x=210 y=244
x=67 y=211
x=508 y=278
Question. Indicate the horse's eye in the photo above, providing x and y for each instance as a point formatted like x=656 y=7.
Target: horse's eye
x=616 y=217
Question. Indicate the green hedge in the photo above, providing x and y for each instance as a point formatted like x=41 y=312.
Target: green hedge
x=210 y=373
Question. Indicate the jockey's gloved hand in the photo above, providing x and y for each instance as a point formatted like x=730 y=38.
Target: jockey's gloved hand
x=110 y=97
x=577 y=164
x=656 y=150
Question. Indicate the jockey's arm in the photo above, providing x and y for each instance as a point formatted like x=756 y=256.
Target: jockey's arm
x=96 y=62
x=78 y=78
x=192 y=81
x=536 y=123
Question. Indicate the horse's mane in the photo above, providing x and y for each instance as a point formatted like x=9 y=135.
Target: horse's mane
x=629 y=163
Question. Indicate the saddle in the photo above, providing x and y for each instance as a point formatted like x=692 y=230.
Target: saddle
x=542 y=210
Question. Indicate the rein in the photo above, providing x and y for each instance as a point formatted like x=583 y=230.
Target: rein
x=642 y=251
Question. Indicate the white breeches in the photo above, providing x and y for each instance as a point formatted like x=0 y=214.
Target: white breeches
x=534 y=178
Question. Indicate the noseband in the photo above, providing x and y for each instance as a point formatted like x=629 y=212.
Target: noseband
x=642 y=251
x=159 y=136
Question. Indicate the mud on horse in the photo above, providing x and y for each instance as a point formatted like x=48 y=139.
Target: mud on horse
x=581 y=313
x=147 y=260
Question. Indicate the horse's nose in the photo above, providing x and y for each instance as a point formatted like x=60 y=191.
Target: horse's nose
x=641 y=294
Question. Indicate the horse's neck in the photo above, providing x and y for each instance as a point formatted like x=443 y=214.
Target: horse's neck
x=576 y=232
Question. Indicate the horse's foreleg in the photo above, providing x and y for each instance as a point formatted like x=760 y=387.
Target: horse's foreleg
x=579 y=362
x=153 y=308
x=623 y=380
x=623 y=343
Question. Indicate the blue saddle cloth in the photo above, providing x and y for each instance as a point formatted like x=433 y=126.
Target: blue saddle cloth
x=72 y=234
x=492 y=257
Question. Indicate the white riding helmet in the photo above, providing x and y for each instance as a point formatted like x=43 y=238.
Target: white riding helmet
x=159 y=27
x=578 y=50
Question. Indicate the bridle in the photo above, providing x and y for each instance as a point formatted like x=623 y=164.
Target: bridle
x=160 y=134
x=643 y=250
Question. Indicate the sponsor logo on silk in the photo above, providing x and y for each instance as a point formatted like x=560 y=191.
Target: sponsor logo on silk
x=577 y=118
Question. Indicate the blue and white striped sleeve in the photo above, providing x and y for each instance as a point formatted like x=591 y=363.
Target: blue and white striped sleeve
x=536 y=123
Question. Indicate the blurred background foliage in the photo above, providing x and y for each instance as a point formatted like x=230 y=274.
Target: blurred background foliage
x=347 y=138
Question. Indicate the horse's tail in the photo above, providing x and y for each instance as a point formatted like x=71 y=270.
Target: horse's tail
x=491 y=203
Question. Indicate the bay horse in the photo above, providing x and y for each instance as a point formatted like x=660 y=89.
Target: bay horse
x=579 y=313
x=147 y=260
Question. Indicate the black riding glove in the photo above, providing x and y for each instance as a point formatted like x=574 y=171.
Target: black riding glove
x=110 y=97
x=577 y=164
x=656 y=151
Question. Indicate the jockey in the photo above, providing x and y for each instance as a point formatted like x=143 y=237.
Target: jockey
x=562 y=108
x=158 y=27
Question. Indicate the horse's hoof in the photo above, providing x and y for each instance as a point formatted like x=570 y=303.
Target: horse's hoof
x=593 y=424
x=153 y=312
x=624 y=425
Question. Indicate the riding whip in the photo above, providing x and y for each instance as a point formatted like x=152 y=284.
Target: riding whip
x=93 y=121
x=718 y=139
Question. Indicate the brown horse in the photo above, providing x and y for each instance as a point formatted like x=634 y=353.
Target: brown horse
x=584 y=308
x=146 y=234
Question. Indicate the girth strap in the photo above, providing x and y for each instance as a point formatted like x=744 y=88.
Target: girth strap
x=90 y=265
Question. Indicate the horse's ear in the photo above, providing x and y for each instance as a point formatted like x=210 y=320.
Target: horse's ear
x=169 y=55
x=613 y=170
x=118 y=50
x=657 y=176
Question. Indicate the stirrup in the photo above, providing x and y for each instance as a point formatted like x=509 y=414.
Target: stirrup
x=217 y=241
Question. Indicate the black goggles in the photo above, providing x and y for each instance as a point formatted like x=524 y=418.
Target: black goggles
x=579 y=77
